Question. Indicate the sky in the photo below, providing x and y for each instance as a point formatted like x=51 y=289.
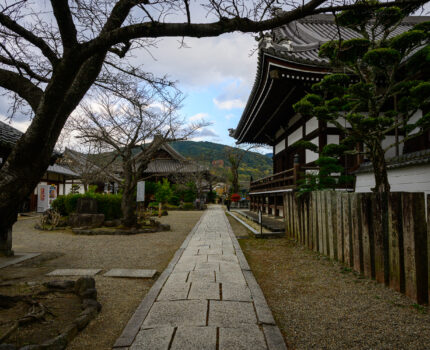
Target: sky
x=215 y=74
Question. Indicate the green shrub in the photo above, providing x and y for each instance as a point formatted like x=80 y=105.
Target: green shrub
x=59 y=204
x=107 y=204
x=153 y=205
x=71 y=202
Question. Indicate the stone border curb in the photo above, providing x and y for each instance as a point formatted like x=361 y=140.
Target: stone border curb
x=273 y=335
x=255 y=232
x=133 y=326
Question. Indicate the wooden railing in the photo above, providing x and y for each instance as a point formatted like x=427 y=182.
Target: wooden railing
x=287 y=179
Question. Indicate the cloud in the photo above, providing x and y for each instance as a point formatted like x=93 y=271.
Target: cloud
x=229 y=104
x=229 y=116
x=198 y=117
x=206 y=134
x=205 y=62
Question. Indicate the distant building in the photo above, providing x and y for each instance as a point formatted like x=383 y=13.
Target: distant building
x=56 y=175
x=288 y=65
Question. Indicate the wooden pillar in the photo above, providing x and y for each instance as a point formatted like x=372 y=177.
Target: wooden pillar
x=415 y=247
x=395 y=243
x=367 y=236
x=347 y=237
x=339 y=230
x=356 y=232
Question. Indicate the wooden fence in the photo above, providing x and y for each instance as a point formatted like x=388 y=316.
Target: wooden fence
x=390 y=245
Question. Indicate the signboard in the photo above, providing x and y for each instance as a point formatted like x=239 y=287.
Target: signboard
x=259 y=216
x=42 y=198
x=140 y=193
x=46 y=194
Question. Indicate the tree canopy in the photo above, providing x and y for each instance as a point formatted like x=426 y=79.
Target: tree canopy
x=379 y=92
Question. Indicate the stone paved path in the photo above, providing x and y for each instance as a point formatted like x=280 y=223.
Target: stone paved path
x=207 y=298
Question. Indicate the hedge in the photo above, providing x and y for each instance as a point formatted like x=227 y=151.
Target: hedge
x=107 y=204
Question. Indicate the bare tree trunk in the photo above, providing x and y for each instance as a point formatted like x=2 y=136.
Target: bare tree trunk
x=31 y=155
x=128 y=203
x=380 y=169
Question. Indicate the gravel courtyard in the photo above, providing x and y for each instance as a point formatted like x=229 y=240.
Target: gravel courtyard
x=319 y=304
x=119 y=296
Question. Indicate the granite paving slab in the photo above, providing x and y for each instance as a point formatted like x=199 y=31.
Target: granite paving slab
x=177 y=313
x=131 y=273
x=74 y=272
x=207 y=298
x=195 y=338
x=16 y=259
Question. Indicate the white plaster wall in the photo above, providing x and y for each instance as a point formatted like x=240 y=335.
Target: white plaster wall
x=311 y=125
x=311 y=155
x=295 y=136
x=280 y=147
x=389 y=140
x=410 y=179
x=333 y=139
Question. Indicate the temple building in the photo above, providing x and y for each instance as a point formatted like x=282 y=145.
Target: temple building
x=288 y=65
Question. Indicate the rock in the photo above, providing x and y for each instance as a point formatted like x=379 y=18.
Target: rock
x=91 y=304
x=57 y=343
x=29 y=347
x=109 y=223
x=70 y=332
x=59 y=284
x=86 y=220
x=84 y=283
x=164 y=227
x=82 y=321
x=86 y=206
x=90 y=293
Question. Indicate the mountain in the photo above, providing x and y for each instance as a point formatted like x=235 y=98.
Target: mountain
x=214 y=155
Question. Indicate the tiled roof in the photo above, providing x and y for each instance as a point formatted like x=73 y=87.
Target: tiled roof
x=9 y=135
x=58 y=169
x=169 y=166
x=299 y=41
x=407 y=159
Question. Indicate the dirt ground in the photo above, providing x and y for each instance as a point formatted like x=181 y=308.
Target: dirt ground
x=118 y=296
x=319 y=304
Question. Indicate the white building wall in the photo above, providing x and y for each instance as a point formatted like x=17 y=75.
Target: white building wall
x=311 y=155
x=295 y=136
x=409 y=179
x=279 y=147
x=311 y=125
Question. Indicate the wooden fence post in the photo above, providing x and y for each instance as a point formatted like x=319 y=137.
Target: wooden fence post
x=315 y=228
x=356 y=232
x=367 y=236
x=380 y=236
x=347 y=234
x=415 y=247
x=428 y=243
x=395 y=242
x=339 y=224
x=332 y=224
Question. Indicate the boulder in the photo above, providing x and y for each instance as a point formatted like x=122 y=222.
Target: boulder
x=86 y=220
x=83 y=284
x=86 y=206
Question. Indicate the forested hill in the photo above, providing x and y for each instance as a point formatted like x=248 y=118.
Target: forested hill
x=253 y=164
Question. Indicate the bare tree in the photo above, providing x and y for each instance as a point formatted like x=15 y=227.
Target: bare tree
x=235 y=156
x=130 y=126
x=53 y=52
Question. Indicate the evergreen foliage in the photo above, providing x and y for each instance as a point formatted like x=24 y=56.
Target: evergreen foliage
x=376 y=93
